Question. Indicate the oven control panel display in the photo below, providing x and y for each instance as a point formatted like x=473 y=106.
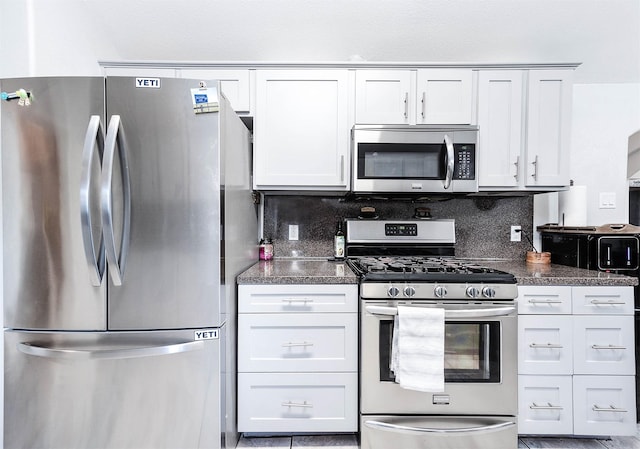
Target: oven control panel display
x=401 y=229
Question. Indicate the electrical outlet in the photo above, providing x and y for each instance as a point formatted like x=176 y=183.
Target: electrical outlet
x=293 y=232
x=516 y=233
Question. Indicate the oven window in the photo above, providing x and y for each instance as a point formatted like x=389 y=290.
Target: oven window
x=471 y=351
x=401 y=161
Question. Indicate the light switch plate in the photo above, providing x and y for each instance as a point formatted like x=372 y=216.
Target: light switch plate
x=293 y=232
x=607 y=200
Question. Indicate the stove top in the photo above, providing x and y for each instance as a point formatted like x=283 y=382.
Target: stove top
x=426 y=269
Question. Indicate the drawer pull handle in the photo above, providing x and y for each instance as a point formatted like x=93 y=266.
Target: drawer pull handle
x=292 y=345
x=611 y=408
x=546 y=345
x=607 y=347
x=304 y=404
x=549 y=406
x=545 y=301
x=296 y=300
x=608 y=302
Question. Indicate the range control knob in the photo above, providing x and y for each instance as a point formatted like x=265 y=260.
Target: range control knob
x=409 y=291
x=440 y=291
x=489 y=292
x=473 y=292
x=393 y=291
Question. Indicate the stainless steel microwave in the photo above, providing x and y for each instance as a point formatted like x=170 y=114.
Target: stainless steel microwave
x=414 y=159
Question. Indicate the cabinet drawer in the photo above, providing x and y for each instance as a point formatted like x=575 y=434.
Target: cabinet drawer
x=545 y=405
x=545 y=344
x=297 y=298
x=533 y=299
x=603 y=300
x=604 y=405
x=603 y=345
x=309 y=402
x=297 y=342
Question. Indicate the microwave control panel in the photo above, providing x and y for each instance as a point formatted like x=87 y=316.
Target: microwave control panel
x=465 y=162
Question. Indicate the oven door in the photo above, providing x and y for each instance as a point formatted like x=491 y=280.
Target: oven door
x=480 y=361
x=414 y=160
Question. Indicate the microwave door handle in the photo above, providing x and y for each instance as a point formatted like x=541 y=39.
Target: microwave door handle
x=449 y=161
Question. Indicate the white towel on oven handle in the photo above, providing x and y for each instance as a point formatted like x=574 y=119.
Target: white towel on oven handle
x=417 y=350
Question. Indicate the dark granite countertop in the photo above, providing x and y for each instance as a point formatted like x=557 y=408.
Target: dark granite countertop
x=322 y=271
x=298 y=271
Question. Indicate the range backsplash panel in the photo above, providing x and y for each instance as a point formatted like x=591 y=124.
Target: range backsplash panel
x=483 y=224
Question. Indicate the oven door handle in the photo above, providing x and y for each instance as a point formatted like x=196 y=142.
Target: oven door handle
x=422 y=430
x=464 y=313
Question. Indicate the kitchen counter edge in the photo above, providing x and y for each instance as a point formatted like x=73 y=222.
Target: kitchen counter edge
x=323 y=271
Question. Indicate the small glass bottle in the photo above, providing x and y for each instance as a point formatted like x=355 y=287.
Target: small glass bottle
x=338 y=242
x=265 y=250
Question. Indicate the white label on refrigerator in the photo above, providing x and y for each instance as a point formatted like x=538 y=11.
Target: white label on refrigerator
x=152 y=83
x=205 y=334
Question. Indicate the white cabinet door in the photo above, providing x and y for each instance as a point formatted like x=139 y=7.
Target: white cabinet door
x=235 y=84
x=500 y=107
x=603 y=300
x=278 y=298
x=304 y=402
x=384 y=97
x=548 y=127
x=545 y=345
x=604 y=405
x=301 y=130
x=547 y=300
x=603 y=345
x=545 y=405
x=445 y=96
x=297 y=342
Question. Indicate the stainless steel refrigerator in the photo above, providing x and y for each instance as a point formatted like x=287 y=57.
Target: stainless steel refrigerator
x=127 y=214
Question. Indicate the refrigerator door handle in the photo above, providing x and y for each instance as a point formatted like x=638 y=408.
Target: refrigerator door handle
x=115 y=138
x=95 y=261
x=104 y=354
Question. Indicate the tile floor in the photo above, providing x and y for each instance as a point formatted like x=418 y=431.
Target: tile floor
x=351 y=442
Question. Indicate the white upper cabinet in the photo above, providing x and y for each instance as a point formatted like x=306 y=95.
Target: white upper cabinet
x=548 y=127
x=424 y=96
x=524 y=118
x=385 y=97
x=301 y=130
x=235 y=84
x=500 y=108
x=445 y=96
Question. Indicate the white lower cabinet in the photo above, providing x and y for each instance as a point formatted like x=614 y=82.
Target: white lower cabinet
x=300 y=402
x=545 y=405
x=576 y=361
x=297 y=358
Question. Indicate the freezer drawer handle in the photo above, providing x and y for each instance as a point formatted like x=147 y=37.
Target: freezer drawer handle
x=546 y=345
x=549 y=406
x=607 y=347
x=102 y=354
x=115 y=137
x=96 y=262
x=611 y=408
x=304 y=404
x=422 y=430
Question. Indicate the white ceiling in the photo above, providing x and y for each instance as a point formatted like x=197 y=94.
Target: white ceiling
x=603 y=35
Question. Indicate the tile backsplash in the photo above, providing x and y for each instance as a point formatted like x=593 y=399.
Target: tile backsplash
x=483 y=224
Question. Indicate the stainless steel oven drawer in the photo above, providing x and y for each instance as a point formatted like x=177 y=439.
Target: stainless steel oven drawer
x=438 y=432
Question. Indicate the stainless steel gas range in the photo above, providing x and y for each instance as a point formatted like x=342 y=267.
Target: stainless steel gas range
x=411 y=264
